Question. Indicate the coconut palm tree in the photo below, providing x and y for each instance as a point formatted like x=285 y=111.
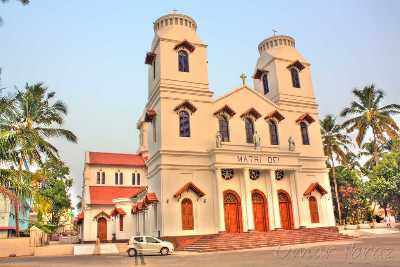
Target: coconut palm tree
x=335 y=143
x=366 y=113
x=27 y=121
x=368 y=150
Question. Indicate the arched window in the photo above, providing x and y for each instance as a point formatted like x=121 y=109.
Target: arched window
x=304 y=133
x=249 y=125
x=121 y=222
x=98 y=178
x=183 y=61
x=103 y=178
x=184 y=124
x=133 y=179
x=295 y=77
x=312 y=202
x=187 y=214
x=273 y=131
x=265 y=83
x=224 y=128
x=121 y=178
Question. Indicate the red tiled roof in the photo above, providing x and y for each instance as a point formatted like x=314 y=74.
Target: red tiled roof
x=103 y=195
x=138 y=207
x=117 y=211
x=186 y=104
x=81 y=216
x=118 y=159
x=225 y=109
x=150 y=115
x=315 y=186
x=306 y=117
x=151 y=197
x=7 y=227
x=252 y=112
x=186 y=44
x=102 y=214
x=187 y=187
x=275 y=114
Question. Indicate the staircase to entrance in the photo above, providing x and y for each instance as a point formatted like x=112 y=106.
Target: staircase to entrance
x=248 y=240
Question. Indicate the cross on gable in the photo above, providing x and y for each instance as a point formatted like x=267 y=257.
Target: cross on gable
x=243 y=77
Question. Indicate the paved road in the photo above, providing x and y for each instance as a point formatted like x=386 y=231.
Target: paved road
x=380 y=251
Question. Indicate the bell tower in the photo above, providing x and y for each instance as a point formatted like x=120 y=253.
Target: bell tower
x=177 y=58
x=282 y=74
x=178 y=89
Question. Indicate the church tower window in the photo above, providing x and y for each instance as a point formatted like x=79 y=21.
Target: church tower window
x=265 y=83
x=183 y=61
x=295 y=77
x=224 y=128
x=249 y=126
x=184 y=124
x=304 y=133
x=273 y=131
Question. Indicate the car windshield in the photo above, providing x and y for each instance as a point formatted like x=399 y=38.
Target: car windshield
x=150 y=239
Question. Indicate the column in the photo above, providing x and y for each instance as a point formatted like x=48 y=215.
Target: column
x=249 y=204
x=220 y=201
x=295 y=199
x=243 y=204
x=275 y=201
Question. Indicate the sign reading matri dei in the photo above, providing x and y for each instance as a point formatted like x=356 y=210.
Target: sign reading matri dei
x=257 y=159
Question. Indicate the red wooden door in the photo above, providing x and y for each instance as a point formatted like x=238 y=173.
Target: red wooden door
x=312 y=202
x=285 y=209
x=232 y=213
x=260 y=212
x=102 y=229
x=187 y=214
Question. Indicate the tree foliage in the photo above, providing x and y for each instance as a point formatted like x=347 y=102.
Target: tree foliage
x=383 y=185
x=54 y=188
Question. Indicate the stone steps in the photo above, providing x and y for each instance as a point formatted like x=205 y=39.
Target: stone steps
x=235 y=241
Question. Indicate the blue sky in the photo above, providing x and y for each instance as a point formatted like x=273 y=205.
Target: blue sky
x=92 y=54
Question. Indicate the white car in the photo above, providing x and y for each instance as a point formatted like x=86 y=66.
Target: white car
x=141 y=245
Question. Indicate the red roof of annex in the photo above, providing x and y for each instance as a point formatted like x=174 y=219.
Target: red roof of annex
x=116 y=159
x=103 y=195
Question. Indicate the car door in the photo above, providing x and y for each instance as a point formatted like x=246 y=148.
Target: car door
x=153 y=244
x=140 y=244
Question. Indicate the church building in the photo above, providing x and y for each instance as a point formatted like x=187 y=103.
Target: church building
x=250 y=160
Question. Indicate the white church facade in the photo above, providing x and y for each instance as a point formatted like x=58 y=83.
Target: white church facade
x=250 y=160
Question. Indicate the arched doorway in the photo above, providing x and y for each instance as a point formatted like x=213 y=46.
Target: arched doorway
x=102 y=229
x=312 y=202
x=260 y=211
x=285 y=210
x=187 y=214
x=233 y=212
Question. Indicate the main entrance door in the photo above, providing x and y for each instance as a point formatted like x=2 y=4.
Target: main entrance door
x=102 y=229
x=260 y=211
x=232 y=212
x=285 y=209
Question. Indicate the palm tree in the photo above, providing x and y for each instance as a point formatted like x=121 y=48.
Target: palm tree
x=366 y=114
x=351 y=161
x=335 y=144
x=368 y=150
x=26 y=122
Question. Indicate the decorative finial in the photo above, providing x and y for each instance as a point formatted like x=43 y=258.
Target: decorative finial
x=274 y=31
x=243 y=77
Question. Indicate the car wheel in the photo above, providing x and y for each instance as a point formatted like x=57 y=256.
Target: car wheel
x=132 y=252
x=164 y=251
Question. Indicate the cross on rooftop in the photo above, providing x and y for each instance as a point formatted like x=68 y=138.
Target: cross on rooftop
x=243 y=77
